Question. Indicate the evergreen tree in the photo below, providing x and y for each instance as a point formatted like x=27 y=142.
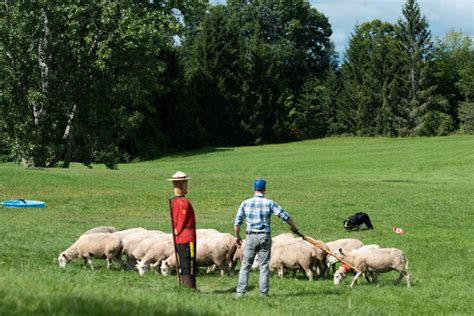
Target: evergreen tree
x=419 y=99
x=453 y=55
x=369 y=102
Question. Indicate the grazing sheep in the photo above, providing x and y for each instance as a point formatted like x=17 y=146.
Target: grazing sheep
x=238 y=255
x=209 y=251
x=123 y=233
x=293 y=255
x=320 y=257
x=374 y=260
x=232 y=248
x=100 y=229
x=346 y=244
x=99 y=245
x=206 y=232
x=283 y=238
x=144 y=246
x=158 y=252
x=131 y=241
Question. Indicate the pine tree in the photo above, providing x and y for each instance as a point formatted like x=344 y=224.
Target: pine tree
x=419 y=98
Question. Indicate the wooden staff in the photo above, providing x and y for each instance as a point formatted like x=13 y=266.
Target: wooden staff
x=178 y=266
x=325 y=249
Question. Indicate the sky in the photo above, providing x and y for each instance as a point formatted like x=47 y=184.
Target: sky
x=443 y=15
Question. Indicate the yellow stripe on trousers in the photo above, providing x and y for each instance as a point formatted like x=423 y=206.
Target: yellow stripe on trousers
x=191 y=250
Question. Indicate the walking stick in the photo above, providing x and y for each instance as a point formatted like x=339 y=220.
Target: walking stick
x=178 y=266
x=325 y=249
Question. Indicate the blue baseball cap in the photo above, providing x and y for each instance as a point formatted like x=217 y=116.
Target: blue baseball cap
x=259 y=184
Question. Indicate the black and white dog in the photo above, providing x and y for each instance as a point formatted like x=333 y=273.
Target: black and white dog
x=356 y=220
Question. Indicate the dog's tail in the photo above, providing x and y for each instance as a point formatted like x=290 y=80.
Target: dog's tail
x=369 y=223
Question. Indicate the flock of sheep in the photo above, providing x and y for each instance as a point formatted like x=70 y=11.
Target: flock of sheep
x=144 y=250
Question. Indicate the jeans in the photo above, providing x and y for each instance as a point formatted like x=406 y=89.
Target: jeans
x=261 y=244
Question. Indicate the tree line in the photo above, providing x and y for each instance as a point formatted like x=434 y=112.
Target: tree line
x=113 y=81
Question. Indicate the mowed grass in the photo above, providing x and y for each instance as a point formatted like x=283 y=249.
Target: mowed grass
x=423 y=185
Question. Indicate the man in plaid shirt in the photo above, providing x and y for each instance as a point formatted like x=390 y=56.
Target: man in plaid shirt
x=257 y=211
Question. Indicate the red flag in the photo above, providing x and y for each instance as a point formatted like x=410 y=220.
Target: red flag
x=398 y=230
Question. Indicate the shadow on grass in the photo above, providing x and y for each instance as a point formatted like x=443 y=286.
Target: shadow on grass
x=399 y=181
x=72 y=305
x=197 y=152
x=226 y=291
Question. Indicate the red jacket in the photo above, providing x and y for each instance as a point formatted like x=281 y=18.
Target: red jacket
x=184 y=220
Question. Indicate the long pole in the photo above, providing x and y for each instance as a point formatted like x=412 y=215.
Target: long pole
x=178 y=274
x=325 y=249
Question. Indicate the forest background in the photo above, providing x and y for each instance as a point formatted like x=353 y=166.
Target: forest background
x=119 y=81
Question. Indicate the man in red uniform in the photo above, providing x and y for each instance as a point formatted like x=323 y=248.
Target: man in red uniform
x=184 y=229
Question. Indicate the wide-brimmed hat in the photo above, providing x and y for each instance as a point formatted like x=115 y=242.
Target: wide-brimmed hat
x=179 y=176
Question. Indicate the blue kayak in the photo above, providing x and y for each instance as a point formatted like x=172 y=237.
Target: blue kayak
x=23 y=203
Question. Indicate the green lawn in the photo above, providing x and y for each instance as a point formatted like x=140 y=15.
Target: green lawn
x=423 y=185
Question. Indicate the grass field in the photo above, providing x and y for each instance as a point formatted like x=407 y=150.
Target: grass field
x=423 y=185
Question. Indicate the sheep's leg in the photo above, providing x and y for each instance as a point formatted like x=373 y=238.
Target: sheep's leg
x=355 y=278
x=309 y=274
x=369 y=276
x=375 y=276
x=89 y=261
x=295 y=271
x=397 y=281
x=408 y=279
x=85 y=263
x=109 y=263
x=280 y=272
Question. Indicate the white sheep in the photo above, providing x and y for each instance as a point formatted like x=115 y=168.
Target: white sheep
x=123 y=233
x=346 y=244
x=284 y=238
x=374 y=260
x=131 y=241
x=99 y=245
x=206 y=232
x=238 y=255
x=293 y=255
x=209 y=251
x=100 y=229
x=158 y=252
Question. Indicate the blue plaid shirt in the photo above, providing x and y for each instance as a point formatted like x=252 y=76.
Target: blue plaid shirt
x=257 y=210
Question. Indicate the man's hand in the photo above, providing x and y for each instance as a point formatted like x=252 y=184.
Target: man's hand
x=175 y=232
x=238 y=240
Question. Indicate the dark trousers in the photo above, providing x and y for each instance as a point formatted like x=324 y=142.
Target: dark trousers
x=187 y=263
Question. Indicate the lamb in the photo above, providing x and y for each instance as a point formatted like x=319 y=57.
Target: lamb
x=209 y=251
x=159 y=251
x=100 y=229
x=374 y=260
x=294 y=255
x=131 y=241
x=99 y=245
x=123 y=233
x=346 y=244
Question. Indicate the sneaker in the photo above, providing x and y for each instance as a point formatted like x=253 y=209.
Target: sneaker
x=239 y=295
x=264 y=294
